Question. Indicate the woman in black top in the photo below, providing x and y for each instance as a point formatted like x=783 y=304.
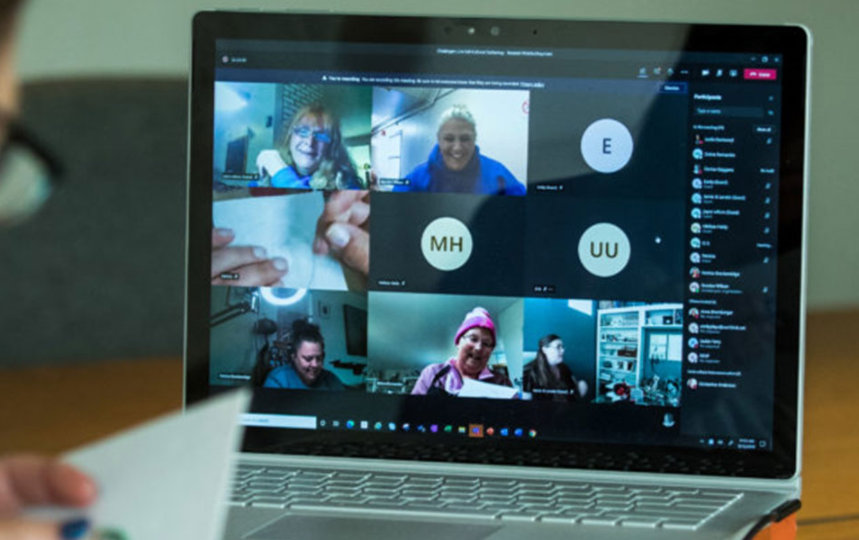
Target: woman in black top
x=547 y=377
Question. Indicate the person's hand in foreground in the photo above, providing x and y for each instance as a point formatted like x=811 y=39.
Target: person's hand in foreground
x=243 y=266
x=27 y=480
x=342 y=229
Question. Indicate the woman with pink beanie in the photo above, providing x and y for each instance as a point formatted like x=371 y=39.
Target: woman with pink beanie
x=475 y=341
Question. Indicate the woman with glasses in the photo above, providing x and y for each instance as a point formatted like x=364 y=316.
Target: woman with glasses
x=27 y=173
x=311 y=154
x=547 y=377
x=475 y=341
x=455 y=164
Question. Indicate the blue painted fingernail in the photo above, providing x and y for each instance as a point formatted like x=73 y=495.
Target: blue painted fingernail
x=74 y=529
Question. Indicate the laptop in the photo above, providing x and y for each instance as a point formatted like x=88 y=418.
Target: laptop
x=496 y=278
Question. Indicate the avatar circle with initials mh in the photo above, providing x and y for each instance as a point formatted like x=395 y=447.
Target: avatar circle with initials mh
x=604 y=249
x=446 y=243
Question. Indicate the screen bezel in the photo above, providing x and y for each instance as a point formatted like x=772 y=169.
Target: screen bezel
x=789 y=41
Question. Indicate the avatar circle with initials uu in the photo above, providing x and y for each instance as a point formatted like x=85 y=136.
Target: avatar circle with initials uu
x=604 y=249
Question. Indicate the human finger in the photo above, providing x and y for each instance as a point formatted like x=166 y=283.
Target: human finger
x=351 y=245
x=357 y=214
x=221 y=237
x=19 y=529
x=226 y=258
x=34 y=480
x=338 y=207
x=260 y=274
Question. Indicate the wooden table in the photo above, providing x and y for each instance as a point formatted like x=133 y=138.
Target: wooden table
x=51 y=409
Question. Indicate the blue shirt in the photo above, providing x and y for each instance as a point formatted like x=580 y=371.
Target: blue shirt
x=481 y=175
x=286 y=377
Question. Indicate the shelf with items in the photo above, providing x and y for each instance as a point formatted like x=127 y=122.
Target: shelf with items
x=627 y=350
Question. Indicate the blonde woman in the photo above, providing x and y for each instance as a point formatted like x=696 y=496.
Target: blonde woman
x=310 y=155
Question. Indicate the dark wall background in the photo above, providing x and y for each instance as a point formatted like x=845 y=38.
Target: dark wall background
x=99 y=271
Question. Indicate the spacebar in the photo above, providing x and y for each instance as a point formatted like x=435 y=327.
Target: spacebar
x=409 y=511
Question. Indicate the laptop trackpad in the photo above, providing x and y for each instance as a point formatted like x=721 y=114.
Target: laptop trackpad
x=347 y=528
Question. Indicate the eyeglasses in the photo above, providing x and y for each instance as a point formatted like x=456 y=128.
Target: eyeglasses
x=305 y=132
x=28 y=173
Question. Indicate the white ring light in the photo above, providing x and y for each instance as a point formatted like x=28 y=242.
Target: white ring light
x=269 y=297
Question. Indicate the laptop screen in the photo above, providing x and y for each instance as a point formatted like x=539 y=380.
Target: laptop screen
x=485 y=241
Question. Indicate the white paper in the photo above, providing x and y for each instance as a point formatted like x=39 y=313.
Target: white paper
x=474 y=388
x=167 y=479
x=285 y=225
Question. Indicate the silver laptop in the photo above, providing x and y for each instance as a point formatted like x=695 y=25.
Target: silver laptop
x=497 y=278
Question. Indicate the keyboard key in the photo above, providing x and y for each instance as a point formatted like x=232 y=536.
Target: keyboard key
x=541 y=486
x=379 y=491
x=703 y=500
x=412 y=492
x=579 y=507
x=533 y=500
x=341 y=491
x=640 y=522
x=609 y=489
x=349 y=476
x=268 y=502
x=423 y=505
x=560 y=518
x=307 y=502
x=346 y=500
x=419 y=499
x=646 y=490
x=281 y=470
x=496 y=509
x=498 y=484
x=462 y=482
x=540 y=508
x=574 y=500
x=683 y=491
x=599 y=520
x=682 y=525
x=387 y=503
x=520 y=516
x=456 y=492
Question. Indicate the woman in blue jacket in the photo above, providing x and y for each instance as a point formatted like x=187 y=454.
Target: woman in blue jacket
x=455 y=164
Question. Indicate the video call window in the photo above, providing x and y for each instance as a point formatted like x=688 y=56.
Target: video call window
x=284 y=225
x=450 y=140
x=287 y=338
x=284 y=152
x=429 y=344
x=292 y=136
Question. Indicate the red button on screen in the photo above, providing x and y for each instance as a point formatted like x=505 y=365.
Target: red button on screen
x=760 y=74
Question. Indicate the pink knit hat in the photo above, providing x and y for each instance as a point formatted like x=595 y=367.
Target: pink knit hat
x=476 y=318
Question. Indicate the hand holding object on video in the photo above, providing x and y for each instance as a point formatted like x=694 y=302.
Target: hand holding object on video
x=342 y=229
x=36 y=481
x=243 y=266
x=269 y=163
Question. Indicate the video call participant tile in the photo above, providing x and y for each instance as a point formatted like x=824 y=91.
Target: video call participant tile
x=631 y=143
x=627 y=250
x=291 y=136
x=467 y=244
x=450 y=140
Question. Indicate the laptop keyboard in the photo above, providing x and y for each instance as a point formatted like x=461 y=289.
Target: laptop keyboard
x=482 y=498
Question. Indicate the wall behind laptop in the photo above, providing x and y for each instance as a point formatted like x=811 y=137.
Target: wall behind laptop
x=109 y=37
